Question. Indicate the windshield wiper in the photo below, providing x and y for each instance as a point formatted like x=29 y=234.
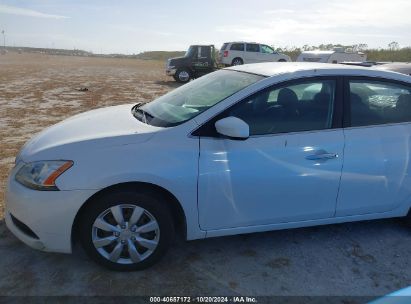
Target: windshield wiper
x=140 y=114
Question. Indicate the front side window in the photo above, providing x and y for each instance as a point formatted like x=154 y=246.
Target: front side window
x=193 y=98
x=190 y=52
x=304 y=106
x=378 y=102
x=237 y=47
x=251 y=47
x=266 y=49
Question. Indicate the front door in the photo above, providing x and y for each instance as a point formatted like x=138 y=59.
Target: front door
x=289 y=168
x=202 y=62
x=267 y=54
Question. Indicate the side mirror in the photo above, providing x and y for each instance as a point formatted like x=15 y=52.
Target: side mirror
x=233 y=127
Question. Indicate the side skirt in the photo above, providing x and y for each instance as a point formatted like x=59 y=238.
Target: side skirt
x=399 y=212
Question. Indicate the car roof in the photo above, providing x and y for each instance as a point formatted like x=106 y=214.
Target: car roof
x=243 y=42
x=401 y=67
x=305 y=69
x=202 y=45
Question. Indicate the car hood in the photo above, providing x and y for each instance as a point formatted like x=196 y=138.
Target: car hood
x=102 y=127
x=178 y=60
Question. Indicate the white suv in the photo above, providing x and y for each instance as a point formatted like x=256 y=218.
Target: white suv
x=236 y=53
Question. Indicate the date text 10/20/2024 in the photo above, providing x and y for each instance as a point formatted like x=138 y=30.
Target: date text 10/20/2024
x=236 y=299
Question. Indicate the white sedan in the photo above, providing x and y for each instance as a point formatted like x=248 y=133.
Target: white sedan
x=245 y=149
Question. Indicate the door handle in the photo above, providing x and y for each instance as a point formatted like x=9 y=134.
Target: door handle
x=322 y=155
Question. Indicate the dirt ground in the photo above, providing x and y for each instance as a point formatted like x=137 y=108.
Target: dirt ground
x=38 y=90
x=359 y=259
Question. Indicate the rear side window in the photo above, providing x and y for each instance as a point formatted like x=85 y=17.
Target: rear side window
x=224 y=47
x=378 y=102
x=237 y=47
x=252 y=47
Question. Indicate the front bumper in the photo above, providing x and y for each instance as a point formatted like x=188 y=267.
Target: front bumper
x=48 y=214
x=171 y=72
x=24 y=237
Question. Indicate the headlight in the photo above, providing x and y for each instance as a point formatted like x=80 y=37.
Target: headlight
x=168 y=65
x=41 y=175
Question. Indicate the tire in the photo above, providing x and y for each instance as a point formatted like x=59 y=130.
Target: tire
x=182 y=75
x=237 y=61
x=126 y=248
x=282 y=60
x=406 y=220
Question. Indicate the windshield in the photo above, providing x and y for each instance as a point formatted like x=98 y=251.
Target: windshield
x=189 y=52
x=195 y=97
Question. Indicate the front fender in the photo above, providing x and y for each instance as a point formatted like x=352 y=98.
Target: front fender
x=162 y=162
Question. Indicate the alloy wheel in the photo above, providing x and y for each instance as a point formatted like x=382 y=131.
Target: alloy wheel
x=237 y=62
x=183 y=76
x=125 y=234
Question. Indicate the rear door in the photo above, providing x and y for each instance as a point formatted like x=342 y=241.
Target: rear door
x=376 y=176
x=252 y=53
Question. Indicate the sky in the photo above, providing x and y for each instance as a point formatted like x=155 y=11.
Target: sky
x=134 y=26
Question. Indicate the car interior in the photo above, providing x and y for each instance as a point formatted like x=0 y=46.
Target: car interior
x=373 y=104
x=309 y=107
x=282 y=110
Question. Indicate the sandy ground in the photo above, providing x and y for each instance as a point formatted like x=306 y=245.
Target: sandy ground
x=360 y=259
x=37 y=91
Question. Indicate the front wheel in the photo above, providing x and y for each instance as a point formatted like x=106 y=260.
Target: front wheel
x=126 y=231
x=182 y=75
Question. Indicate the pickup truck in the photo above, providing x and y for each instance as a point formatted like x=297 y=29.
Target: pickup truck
x=197 y=61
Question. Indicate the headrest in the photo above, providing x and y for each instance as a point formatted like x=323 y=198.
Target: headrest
x=286 y=97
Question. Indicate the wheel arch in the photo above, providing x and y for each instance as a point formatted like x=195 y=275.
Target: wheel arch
x=176 y=209
x=188 y=68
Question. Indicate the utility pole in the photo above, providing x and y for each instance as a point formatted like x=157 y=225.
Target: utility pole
x=4 y=39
